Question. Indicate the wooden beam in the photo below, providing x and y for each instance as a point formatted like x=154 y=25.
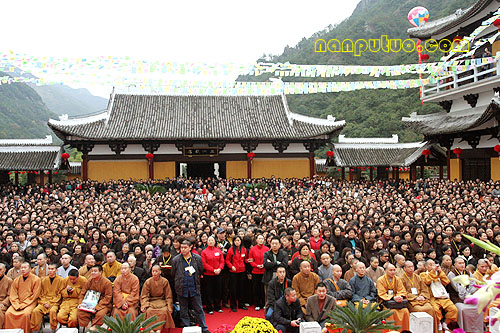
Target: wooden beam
x=311 y=165
x=343 y=173
x=448 y=154
x=85 y=164
x=249 y=168
x=50 y=177
x=151 y=169
x=441 y=171
x=42 y=178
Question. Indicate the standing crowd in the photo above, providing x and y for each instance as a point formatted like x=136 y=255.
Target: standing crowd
x=77 y=251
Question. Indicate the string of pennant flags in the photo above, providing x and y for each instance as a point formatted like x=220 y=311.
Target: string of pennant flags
x=256 y=88
x=12 y=62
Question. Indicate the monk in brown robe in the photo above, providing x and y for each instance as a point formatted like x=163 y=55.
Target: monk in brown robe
x=103 y=286
x=126 y=293
x=49 y=300
x=5 y=284
x=68 y=311
x=442 y=302
x=305 y=283
x=85 y=269
x=157 y=299
x=15 y=271
x=390 y=287
x=417 y=293
x=23 y=297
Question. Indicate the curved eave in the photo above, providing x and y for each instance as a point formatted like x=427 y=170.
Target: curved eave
x=450 y=22
x=451 y=123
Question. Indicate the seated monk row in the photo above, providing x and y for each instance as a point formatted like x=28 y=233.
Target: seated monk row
x=24 y=301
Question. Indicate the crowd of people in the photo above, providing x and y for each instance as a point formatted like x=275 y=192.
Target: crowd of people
x=294 y=249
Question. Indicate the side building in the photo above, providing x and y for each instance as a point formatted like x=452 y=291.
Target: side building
x=468 y=127
x=150 y=136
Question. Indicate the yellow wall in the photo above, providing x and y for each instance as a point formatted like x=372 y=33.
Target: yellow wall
x=280 y=168
x=495 y=168
x=455 y=169
x=164 y=170
x=236 y=169
x=118 y=169
x=404 y=175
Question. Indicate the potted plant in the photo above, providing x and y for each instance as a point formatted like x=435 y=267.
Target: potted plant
x=126 y=325
x=352 y=319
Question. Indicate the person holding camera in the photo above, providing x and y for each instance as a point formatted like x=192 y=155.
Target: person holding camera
x=391 y=291
x=288 y=314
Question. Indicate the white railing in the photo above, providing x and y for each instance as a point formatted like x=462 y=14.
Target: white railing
x=460 y=79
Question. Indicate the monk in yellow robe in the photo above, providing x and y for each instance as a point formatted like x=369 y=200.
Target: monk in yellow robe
x=484 y=272
x=305 y=283
x=417 y=293
x=68 y=311
x=434 y=274
x=390 y=287
x=23 y=297
x=49 y=300
x=112 y=268
x=126 y=293
x=5 y=284
x=104 y=287
x=157 y=299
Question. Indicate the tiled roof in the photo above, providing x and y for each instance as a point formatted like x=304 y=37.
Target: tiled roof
x=455 y=20
x=452 y=122
x=167 y=117
x=47 y=141
x=75 y=168
x=378 y=154
x=321 y=165
x=30 y=157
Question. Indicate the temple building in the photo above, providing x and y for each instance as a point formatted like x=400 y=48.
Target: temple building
x=151 y=136
x=39 y=159
x=385 y=158
x=468 y=125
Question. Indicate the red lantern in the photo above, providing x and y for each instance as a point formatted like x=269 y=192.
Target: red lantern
x=8 y=172
x=426 y=153
x=251 y=155
x=23 y=172
x=497 y=149
x=496 y=23
x=329 y=153
x=150 y=156
x=36 y=172
x=458 y=151
x=424 y=57
x=457 y=39
x=55 y=172
x=64 y=156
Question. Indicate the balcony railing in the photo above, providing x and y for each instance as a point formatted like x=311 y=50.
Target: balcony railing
x=477 y=73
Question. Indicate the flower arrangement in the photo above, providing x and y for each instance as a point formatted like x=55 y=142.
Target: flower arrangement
x=488 y=291
x=254 y=325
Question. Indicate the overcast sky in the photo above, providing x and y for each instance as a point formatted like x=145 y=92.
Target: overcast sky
x=205 y=31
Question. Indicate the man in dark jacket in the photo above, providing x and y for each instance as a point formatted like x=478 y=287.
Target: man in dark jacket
x=186 y=270
x=288 y=313
x=276 y=290
x=272 y=259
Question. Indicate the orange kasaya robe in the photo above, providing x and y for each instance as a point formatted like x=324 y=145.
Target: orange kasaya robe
x=23 y=298
x=103 y=307
x=401 y=317
x=415 y=287
x=50 y=293
x=439 y=304
x=68 y=311
x=157 y=300
x=126 y=289
x=5 y=284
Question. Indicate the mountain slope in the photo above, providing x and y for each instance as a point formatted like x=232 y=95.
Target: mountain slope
x=62 y=99
x=22 y=112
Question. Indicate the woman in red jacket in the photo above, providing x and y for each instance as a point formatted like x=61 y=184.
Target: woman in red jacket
x=213 y=263
x=256 y=260
x=235 y=260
